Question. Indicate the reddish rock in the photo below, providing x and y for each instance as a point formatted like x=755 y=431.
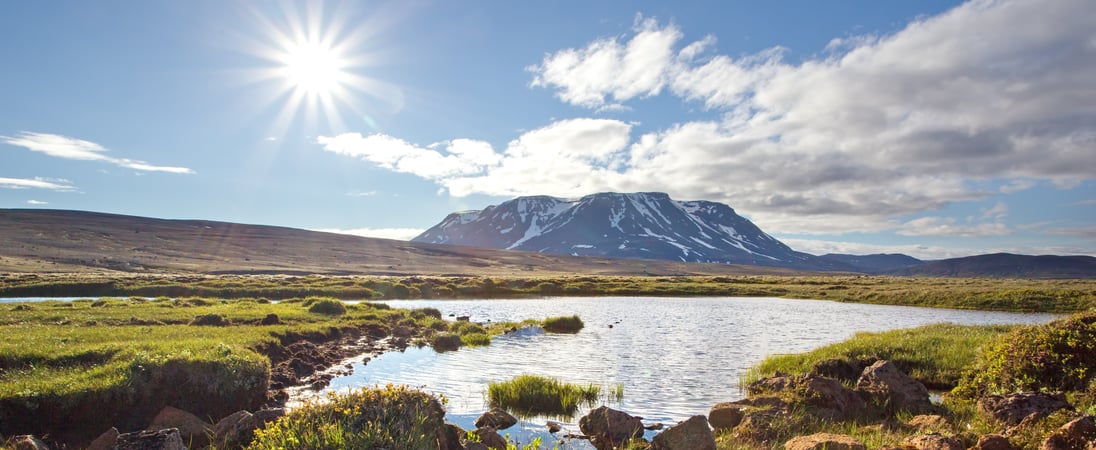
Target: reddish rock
x=610 y=428
x=193 y=431
x=933 y=441
x=490 y=437
x=824 y=441
x=886 y=385
x=105 y=441
x=692 y=434
x=496 y=418
x=927 y=422
x=725 y=415
x=1014 y=408
x=1078 y=434
x=168 y=439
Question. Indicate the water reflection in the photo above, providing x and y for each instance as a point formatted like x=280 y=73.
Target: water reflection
x=675 y=357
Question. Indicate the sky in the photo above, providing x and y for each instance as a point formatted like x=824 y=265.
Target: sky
x=932 y=128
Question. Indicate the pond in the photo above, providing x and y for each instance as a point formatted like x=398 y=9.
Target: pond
x=675 y=357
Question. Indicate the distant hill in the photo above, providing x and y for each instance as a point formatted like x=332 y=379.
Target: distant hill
x=647 y=225
x=38 y=240
x=875 y=263
x=1006 y=265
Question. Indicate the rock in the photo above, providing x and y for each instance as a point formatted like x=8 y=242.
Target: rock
x=725 y=415
x=490 y=437
x=554 y=427
x=610 y=428
x=270 y=319
x=193 y=431
x=105 y=441
x=838 y=368
x=238 y=429
x=653 y=426
x=826 y=397
x=496 y=418
x=450 y=437
x=463 y=318
x=1013 y=408
x=27 y=442
x=993 y=442
x=824 y=441
x=692 y=434
x=926 y=422
x=886 y=385
x=1078 y=434
x=168 y=439
x=933 y=441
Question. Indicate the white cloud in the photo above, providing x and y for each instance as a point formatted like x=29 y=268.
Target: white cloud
x=946 y=226
x=1081 y=232
x=400 y=234
x=461 y=156
x=71 y=148
x=997 y=211
x=36 y=183
x=361 y=193
x=925 y=252
x=36 y=202
x=875 y=129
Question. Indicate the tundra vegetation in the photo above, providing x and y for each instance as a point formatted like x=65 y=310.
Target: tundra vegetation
x=531 y=395
x=962 y=293
x=117 y=361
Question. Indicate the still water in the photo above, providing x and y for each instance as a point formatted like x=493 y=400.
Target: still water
x=675 y=357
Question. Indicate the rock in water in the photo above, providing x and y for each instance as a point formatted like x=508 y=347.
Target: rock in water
x=824 y=441
x=610 y=428
x=692 y=434
x=168 y=439
x=887 y=385
x=496 y=418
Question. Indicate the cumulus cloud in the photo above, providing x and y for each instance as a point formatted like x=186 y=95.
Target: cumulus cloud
x=874 y=130
x=66 y=147
x=36 y=183
x=399 y=234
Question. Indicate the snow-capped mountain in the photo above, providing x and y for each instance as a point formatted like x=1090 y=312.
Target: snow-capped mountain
x=647 y=225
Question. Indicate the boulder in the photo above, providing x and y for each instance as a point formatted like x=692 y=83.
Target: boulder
x=1013 y=408
x=193 y=431
x=450 y=436
x=168 y=439
x=105 y=441
x=824 y=441
x=692 y=434
x=27 y=442
x=490 y=437
x=725 y=415
x=884 y=384
x=933 y=441
x=554 y=427
x=238 y=429
x=993 y=442
x=1078 y=434
x=610 y=428
x=928 y=422
x=496 y=418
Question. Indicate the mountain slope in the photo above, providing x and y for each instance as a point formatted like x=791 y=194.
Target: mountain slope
x=1006 y=265
x=875 y=263
x=36 y=240
x=641 y=225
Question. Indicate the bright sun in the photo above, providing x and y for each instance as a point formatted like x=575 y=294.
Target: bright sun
x=313 y=69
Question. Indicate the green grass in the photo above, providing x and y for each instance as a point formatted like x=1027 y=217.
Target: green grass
x=935 y=355
x=114 y=362
x=531 y=395
x=961 y=293
x=564 y=324
x=1056 y=357
x=390 y=417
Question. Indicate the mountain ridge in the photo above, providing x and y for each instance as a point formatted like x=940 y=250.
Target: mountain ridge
x=623 y=225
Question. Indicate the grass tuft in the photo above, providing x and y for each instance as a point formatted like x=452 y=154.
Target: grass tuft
x=563 y=324
x=532 y=395
x=328 y=306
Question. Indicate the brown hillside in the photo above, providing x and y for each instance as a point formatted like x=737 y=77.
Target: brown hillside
x=36 y=240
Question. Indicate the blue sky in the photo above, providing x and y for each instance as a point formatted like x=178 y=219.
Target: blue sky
x=932 y=128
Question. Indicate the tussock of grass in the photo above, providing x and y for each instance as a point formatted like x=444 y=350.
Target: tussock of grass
x=393 y=417
x=935 y=355
x=329 y=306
x=531 y=395
x=1058 y=356
x=563 y=324
x=475 y=339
